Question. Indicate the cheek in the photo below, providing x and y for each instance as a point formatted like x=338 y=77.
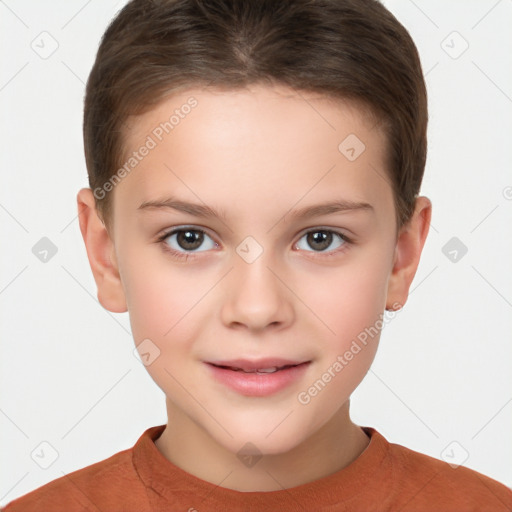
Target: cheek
x=161 y=297
x=348 y=299
x=165 y=307
x=351 y=305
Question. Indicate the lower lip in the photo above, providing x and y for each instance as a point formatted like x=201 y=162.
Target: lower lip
x=255 y=384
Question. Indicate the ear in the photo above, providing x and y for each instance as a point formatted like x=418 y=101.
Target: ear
x=410 y=242
x=101 y=254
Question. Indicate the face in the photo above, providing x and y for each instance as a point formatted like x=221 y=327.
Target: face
x=227 y=254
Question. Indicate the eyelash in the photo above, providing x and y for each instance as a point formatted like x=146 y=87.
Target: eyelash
x=185 y=255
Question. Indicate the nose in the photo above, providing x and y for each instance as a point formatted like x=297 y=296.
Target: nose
x=255 y=296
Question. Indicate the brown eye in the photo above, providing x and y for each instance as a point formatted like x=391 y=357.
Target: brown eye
x=188 y=240
x=321 y=239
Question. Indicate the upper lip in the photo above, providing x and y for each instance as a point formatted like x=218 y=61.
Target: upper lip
x=255 y=364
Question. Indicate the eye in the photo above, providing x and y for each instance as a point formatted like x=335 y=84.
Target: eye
x=321 y=239
x=186 y=240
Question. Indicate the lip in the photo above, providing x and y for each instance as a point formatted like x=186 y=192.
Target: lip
x=257 y=384
x=255 y=364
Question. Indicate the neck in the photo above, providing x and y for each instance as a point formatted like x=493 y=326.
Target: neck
x=334 y=446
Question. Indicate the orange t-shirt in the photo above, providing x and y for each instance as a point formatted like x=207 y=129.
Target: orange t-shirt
x=385 y=477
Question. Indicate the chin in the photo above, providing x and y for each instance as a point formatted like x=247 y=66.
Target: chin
x=259 y=441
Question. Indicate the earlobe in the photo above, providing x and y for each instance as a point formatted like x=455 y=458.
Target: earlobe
x=101 y=254
x=410 y=242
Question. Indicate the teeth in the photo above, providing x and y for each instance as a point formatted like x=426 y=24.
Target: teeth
x=268 y=370
x=272 y=369
x=259 y=370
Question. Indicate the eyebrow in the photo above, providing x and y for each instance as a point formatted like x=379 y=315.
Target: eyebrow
x=198 y=210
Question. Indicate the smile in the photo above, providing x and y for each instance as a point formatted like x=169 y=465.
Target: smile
x=256 y=379
x=272 y=369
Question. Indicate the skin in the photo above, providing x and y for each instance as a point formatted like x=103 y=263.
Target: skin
x=257 y=155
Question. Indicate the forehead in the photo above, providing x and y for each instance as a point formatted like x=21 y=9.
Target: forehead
x=246 y=109
x=254 y=143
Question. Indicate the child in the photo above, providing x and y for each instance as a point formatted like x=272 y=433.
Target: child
x=254 y=130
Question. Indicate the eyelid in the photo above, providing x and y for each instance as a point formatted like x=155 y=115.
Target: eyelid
x=321 y=255
x=170 y=231
x=334 y=229
x=193 y=227
x=181 y=255
x=347 y=242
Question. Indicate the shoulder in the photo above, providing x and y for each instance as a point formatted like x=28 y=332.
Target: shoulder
x=423 y=481
x=110 y=484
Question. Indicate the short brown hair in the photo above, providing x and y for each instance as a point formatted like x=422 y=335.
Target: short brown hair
x=347 y=49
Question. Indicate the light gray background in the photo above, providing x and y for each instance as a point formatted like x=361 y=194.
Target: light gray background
x=442 y=380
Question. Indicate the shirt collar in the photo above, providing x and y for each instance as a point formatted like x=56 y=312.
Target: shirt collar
x=172 y=485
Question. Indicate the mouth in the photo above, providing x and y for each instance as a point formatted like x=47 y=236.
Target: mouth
x=258 y=378
x=261 y=366
x=260 y=371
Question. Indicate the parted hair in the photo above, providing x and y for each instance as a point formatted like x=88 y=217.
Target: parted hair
x=347 y=49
